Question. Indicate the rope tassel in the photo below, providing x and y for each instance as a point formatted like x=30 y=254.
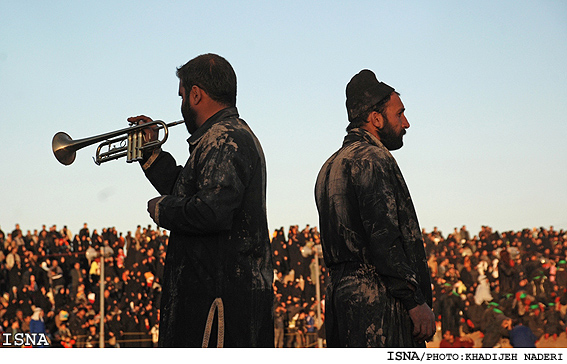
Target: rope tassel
x=216 y=306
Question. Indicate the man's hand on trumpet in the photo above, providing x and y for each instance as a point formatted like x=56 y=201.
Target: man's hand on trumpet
x=150 y=133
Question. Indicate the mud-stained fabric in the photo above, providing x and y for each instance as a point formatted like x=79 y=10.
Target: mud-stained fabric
x=215 y=208
x=372 y=245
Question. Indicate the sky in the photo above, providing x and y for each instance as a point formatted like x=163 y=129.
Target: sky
x=484 y=84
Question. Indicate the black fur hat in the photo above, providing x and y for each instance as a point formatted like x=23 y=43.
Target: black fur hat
x=364 y=91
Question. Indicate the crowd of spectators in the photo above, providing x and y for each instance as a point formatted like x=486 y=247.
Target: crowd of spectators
x=298 y=267
x=510 y=285
x=50 y=284
x=503 y=285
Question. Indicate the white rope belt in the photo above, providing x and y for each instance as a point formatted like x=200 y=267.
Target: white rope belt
x=216 y=306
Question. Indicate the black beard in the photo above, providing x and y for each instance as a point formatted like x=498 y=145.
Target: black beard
x=190 y=117
x=388 y=136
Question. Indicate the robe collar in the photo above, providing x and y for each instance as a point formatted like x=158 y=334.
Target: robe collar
x=219 y=116
x=359 y=134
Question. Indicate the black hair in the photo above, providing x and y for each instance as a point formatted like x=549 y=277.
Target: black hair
x=213 y=74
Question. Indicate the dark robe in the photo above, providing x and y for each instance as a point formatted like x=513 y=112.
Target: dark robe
x=536 y=324
x=450 y=305
x=493 y=330
x=508 y=278
x=219 y=247
x=553 y=323
x=373 y=246
x=473 y=317
x=468 y=277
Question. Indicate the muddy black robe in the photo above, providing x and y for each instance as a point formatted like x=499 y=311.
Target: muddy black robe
x=372 y=244
x=215 y=209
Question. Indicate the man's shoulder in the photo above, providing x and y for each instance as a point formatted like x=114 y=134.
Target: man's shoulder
x=353 y=159
x=230 y=136
x=230 y=129
x=361 y=152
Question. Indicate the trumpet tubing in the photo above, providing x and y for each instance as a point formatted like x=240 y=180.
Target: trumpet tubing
x=131 y=142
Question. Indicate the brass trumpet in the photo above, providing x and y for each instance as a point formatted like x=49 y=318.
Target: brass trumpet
x=130 y=140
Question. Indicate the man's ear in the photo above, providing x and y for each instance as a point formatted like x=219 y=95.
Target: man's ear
x=376 y=119
x=196 y=94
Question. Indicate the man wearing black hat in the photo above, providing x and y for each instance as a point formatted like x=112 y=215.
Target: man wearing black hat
x=380 y=291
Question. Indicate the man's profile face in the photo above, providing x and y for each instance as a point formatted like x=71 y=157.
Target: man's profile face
x=395 y=124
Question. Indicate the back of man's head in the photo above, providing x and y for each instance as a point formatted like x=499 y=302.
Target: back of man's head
x=213 y=74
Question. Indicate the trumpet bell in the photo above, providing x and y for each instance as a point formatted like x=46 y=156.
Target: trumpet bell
x=61 y=145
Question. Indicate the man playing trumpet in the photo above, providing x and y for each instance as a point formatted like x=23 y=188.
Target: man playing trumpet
x=218 y=272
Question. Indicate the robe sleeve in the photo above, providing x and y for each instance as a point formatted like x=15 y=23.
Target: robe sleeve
x=162 y=171
x=223 y=172
x=375 y=185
